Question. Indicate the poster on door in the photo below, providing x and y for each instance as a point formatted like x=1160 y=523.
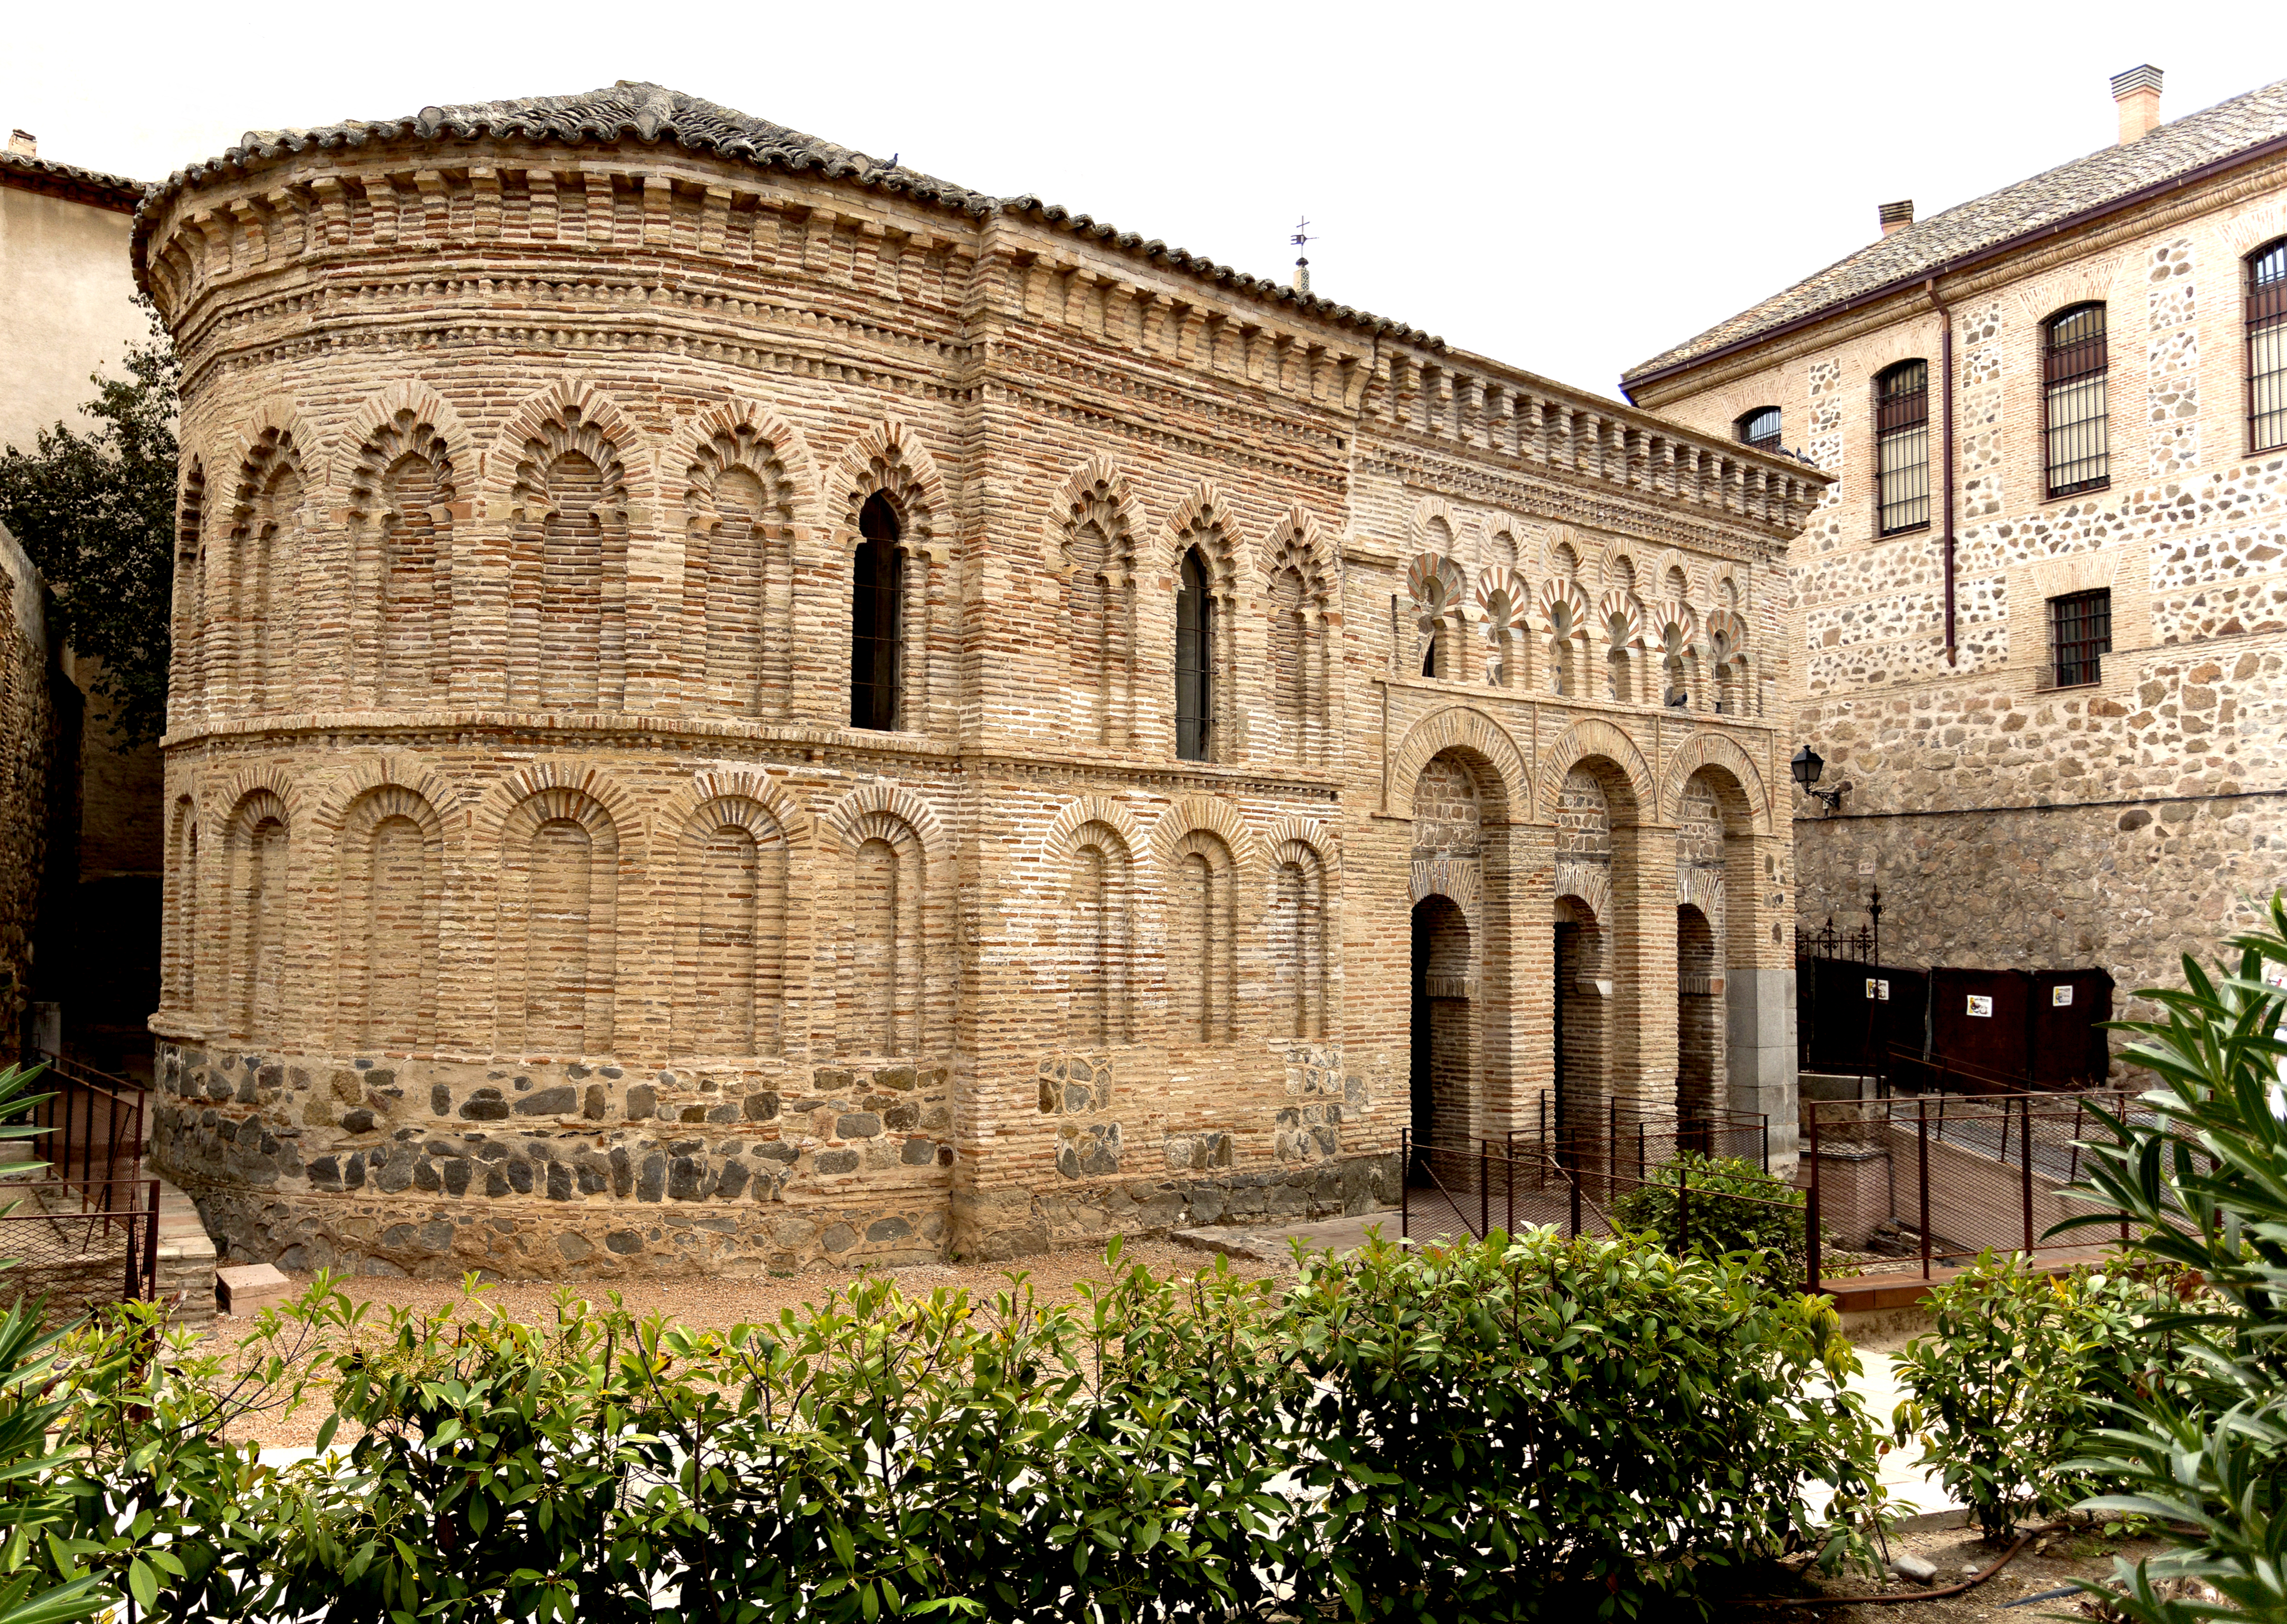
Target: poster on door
x=1980 y=1006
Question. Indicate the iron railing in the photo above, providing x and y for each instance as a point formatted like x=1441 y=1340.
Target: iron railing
x=91 y=1128
x=1911 y=1184
x=53 y=1224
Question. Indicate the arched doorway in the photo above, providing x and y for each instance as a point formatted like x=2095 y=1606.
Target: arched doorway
x=1582 y=1002
x=1699 y=1084
x=1441 y=1069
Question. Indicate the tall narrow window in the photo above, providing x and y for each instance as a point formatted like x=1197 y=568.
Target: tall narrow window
x=874 y=628
x=1194 y=662
x=1902 y=494
x=2080 y=629
x=2073 y=401
x=2267 y=347
x=1759 y=428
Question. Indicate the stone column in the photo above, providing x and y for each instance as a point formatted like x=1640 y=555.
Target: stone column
x=1758 y=992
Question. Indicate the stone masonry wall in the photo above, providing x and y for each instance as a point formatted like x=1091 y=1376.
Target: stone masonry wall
x=27 y=755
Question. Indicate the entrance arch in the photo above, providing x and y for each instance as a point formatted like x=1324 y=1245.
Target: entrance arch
x=1699 y=1081
x=1443 y=1067
x=1582 y=999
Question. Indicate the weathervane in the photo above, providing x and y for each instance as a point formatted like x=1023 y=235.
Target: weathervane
x=1301 y=239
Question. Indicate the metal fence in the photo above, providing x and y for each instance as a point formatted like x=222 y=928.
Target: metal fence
x=65 y=1240
x=91 y=1130
x=1912 y=1184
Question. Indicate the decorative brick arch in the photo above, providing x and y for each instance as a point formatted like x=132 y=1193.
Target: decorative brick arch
x=558 y=406
x=1624 y=606
x=1466 y=728
x=1427 y=509
x=1076 y=815
x=232 y=793
x=1591 y=882
x=1096 y=481
x=891 y=458
x=491 y=819
x=363 y=776
x=1462 y=884
x=2089 y=282
x=2243 y=233
x=1609 y=571
x=388 y=408
x=689 y=444
x=1320 y=837
x=1711 y=749
x=277 y=423
x=845 y=821
x=1205 y=506
x=1212 y=813
x=1297 y=537
x=1556 y=590
x=1592 y=738
x=737 y=784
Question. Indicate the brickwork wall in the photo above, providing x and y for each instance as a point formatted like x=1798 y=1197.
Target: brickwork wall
x=2008 y=822
x=532 y=905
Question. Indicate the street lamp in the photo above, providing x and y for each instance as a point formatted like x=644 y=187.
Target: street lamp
x=1807 y=765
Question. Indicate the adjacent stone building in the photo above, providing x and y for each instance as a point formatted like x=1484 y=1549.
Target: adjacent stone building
x=2042 y=610
x=738 y=704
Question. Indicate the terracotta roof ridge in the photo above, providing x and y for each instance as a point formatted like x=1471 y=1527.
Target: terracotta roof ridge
x=47 y=175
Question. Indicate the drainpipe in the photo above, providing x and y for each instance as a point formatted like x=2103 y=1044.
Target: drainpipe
x=1945 y=448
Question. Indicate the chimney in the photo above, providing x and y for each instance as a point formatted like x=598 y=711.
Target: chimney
x=1897 y=216
x=2138 y=93
x=24 y=143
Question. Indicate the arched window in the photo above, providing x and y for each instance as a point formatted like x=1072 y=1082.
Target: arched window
x=731 y=931
x=1759 y=428
x=877 y=590
x=1298 y=945
x=258 y=913
x=392 y=884
x=2267 y=347
x=1101 y=931
x=1202 y=929
x=1195 y=633
x=2074 y=410
x=1902 y=489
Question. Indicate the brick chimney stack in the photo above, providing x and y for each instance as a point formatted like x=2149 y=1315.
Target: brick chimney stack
x=24 y=143
x=1897 y=216
x=2138 y=93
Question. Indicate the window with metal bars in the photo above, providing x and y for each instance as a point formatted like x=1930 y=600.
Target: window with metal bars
x=2080 y=630
x=2075 y=411
x=1194 y=660
x=2267 y=347
x=1759 y=428
x=1901 y=486
x=876 y=589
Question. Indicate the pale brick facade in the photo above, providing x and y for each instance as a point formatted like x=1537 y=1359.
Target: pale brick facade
x=532 y=903
x=2011 y=821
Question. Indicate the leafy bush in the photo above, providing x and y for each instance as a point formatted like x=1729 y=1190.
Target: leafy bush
x=1481 y=1432
x=2017 y=1376
x=2205 y=1179
x=1716 y=1206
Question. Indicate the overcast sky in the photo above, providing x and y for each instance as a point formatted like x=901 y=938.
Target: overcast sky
x=1572 y=188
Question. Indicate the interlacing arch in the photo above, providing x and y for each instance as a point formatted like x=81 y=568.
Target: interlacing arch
x=404 y=481
x=1565 y=619
x=1504 y=600
x=742 y=474
x=267 y=526
x=1090 y=542
x=1299 y=595
x=889 y=459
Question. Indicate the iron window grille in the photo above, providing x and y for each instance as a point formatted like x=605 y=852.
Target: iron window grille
x=1901 y=486
x=1759 y=428
x=2267 y=348
x=1194 y=660
x=876 y=589
x=2075 y=409
x=2080 y=632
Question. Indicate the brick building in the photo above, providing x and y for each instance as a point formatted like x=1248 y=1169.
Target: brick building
x=737 y=704
x=2043 y=608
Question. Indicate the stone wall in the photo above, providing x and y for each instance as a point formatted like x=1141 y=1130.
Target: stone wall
x=27 y=755
x=533 y=904
x=2118 y=823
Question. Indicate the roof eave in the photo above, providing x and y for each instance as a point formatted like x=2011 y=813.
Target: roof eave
x=1631 y=381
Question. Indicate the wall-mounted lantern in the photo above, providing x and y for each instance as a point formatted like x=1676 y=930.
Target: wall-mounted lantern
x=1807 y=765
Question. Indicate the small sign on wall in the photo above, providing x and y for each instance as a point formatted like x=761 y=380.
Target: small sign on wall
x=2060 y=997
x=1980 y=1006
x=1878 y=988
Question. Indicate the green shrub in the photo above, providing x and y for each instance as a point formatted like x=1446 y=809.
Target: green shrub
x=1491 y=1431
x=2016 y=1378
x=1719 y=1205
x=1539 y=1428
x=2205 y=1180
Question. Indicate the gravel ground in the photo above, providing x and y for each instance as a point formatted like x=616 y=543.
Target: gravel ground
x=722 y=1302
x=2048 y=1565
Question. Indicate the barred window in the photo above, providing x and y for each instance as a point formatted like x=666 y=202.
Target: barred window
x=2080 y=629
x=2073 y=401
x=1759 y=428
x=1901 y=486
x=876 y=589
x=2267 y=347
x=1195 y=635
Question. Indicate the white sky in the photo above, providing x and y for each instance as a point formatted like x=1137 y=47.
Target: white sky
x=1569 y=187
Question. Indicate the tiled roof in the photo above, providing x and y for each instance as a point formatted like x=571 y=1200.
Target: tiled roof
x=92 y=187
x=2110 y=176
x=633 y=110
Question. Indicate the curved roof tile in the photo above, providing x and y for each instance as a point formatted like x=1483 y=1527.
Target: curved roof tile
x=2111 y=175
x=633 y=110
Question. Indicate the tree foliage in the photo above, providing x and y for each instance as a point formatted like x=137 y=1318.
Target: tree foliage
x=96 y=511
